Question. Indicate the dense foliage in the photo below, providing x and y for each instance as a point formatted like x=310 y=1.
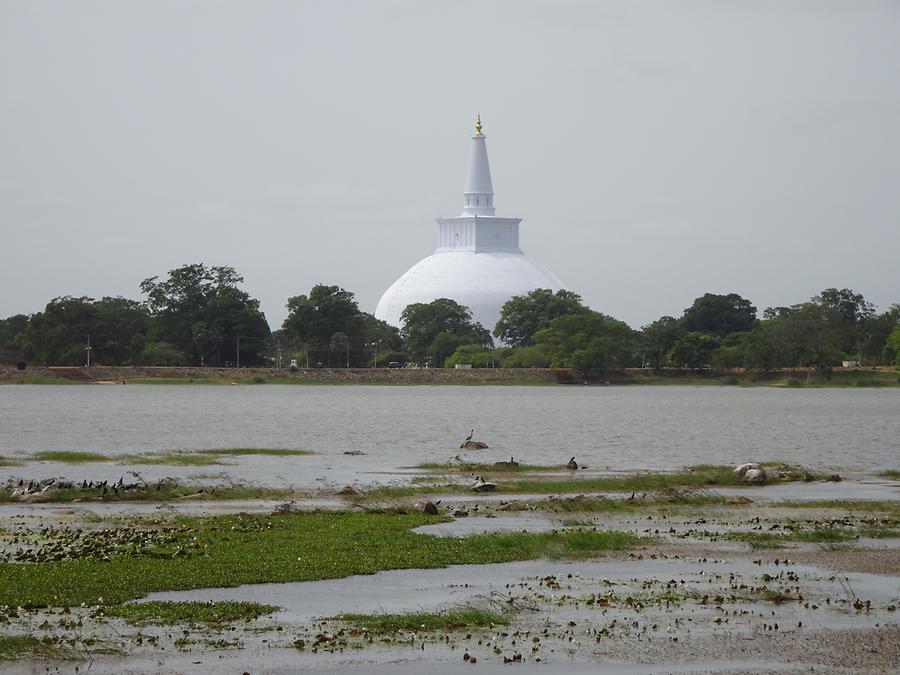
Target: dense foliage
x=113 y=330
x=434 y=331
x=200 y=316
x=525 y=315
x=201 y=312
x=327 y=328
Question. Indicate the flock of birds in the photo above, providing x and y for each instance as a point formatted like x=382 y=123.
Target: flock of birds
x=31 y=489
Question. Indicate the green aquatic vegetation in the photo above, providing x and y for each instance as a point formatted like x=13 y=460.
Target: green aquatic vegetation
x=757 y=540
x=169 y=613
x=891 y=473
x=9 y=461
x=269 y=452
x=824 y=535
x=13 y=647
x=775 y=595
x=454 y=619
x=245 y=549
x=70 y=457
x=879 y=532
x=37 y=379
x=587 y=503
x=697 y=477
x=874 y=506
x=819 y=535
x=172 y=459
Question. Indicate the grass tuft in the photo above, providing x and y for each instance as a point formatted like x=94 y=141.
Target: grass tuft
x=70 y=457
x=451 y=620
x=172 y=459
x=169 y=613
x=269 y=452
x=819 y=535
x=14 y=647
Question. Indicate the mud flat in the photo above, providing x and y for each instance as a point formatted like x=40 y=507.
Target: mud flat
x=683 y=576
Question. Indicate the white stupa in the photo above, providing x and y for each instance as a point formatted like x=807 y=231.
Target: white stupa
x=478 y=262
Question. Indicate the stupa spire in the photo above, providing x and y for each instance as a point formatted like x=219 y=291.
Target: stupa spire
x=478 y=197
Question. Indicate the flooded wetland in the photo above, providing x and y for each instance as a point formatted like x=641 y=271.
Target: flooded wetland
x=264 y=529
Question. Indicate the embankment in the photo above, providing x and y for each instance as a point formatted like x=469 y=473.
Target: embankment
x=841 y=377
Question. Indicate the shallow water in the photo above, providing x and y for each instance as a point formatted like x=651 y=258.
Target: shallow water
x=616 y=427
x=403 y=591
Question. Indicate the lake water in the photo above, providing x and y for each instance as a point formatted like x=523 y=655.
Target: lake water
x=620 y=428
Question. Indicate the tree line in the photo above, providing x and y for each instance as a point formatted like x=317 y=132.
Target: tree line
x=199 y=316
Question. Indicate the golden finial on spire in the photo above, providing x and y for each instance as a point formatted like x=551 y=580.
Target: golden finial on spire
x=478 y=125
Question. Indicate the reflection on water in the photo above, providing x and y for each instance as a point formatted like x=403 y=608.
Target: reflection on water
x=618 y=427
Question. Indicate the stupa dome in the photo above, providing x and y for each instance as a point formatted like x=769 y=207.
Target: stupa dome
x=478 y=262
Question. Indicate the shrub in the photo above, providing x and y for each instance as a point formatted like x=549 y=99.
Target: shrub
x=162 y=354
x=527 y=357
x=474 y=354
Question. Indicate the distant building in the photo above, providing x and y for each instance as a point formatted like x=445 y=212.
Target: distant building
x=478 y=262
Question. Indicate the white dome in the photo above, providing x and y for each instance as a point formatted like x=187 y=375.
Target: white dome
x=478 y=263
x=483 y=282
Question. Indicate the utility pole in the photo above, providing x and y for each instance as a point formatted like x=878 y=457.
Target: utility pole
x=88 y=350
x=237 y=356
x=348 y=351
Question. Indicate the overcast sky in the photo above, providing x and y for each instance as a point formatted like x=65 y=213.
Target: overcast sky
x=656 y=150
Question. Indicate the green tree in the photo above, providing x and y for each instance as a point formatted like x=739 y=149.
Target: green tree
x=327 y=310
x=693 y=350
x=719 y=315
x=476 y=355
x=523 y=315
x=60 y=335
x=534 y=356
x=204 y=314
x=893 y=344
x=874 y=333
x=809 y=334
x=849 y=305
x=424 y=322
x=728 y=356
x=162 y=354
x=315 y=319
x=12 y=332
x=848 y=311
x=658 y=338
x=590 y=342
x=763 y=349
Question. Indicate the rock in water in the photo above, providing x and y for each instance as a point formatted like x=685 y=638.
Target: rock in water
x=511 y=464
x=755 y=476
x=744 y=468
x=473 y=445
x=480 y=485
